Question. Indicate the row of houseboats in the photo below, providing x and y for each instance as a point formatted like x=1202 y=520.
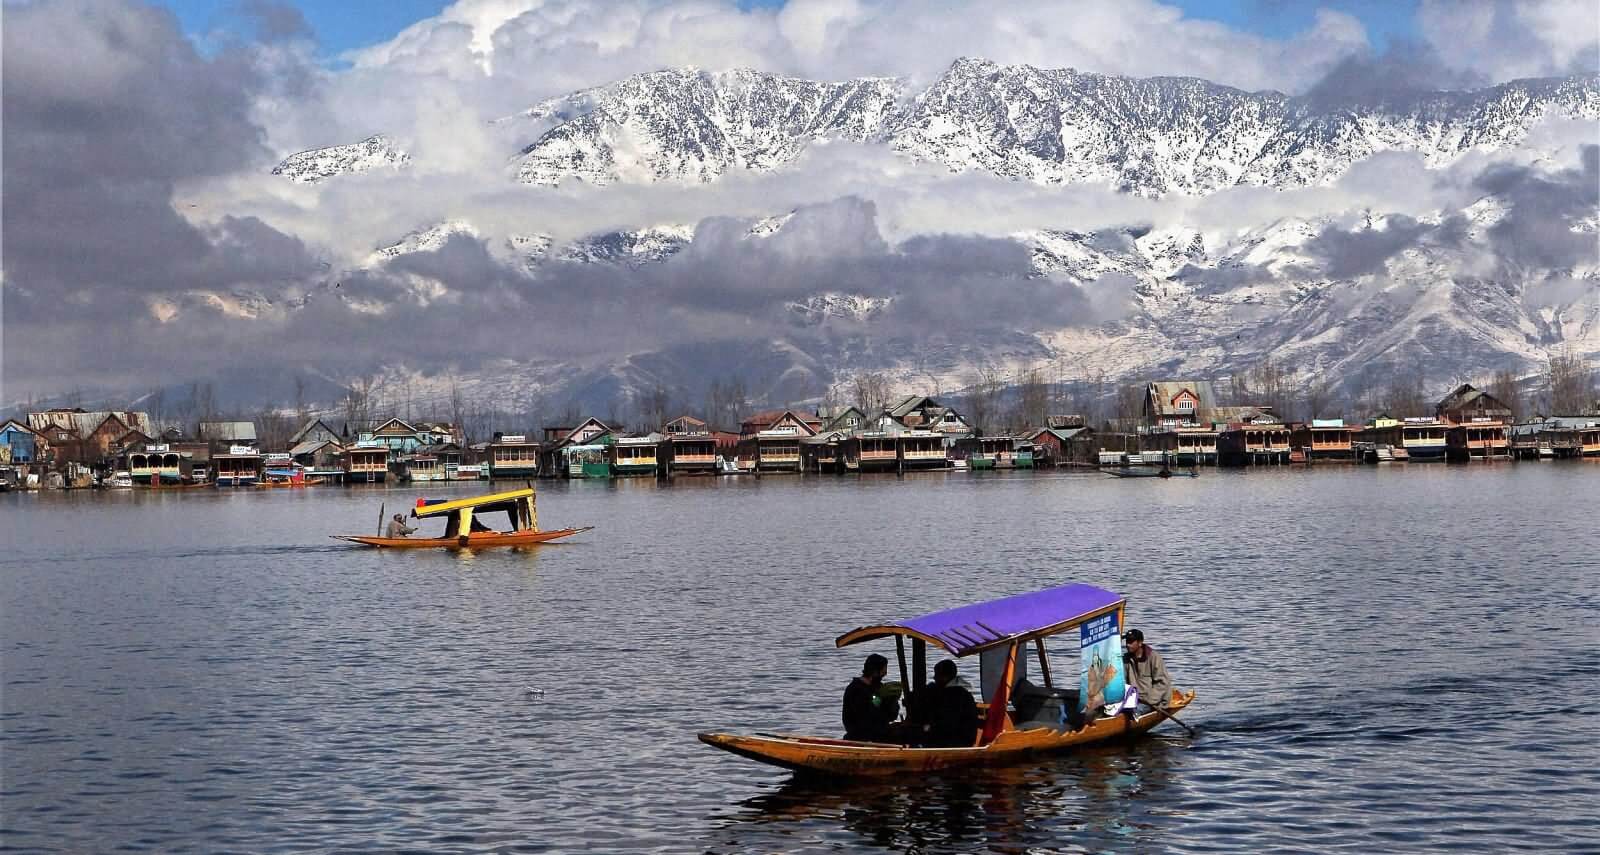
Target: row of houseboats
x=658 y=455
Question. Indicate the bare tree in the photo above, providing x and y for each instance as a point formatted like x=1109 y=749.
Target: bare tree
x=302 y=408
x=983 y=398
x=1406 y=393
x=653 y=405
x=870 y=391
x=273 y=428
x=1568 y=384
x=1130 y=405
x=1033 y=399
x=1503 y=386
x=155 y=404
x=1320 y=398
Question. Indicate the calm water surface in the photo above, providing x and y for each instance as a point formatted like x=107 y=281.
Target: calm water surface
x=1387 y=659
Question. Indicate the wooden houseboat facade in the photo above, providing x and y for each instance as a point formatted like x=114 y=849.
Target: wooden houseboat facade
x=1478 y=440
x=366 y=463
x=1325 y=440
x=239 y=467
x=691 y=454
x=159 y=464
x=771 y=440
x=637 y=456
x=1253 y=445
x=512 y=456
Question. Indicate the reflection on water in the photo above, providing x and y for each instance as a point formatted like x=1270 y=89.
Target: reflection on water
x=200 y=671
x=1091 y=801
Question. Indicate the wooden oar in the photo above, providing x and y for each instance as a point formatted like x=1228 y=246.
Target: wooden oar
x=1172 y=717
x=381 y=508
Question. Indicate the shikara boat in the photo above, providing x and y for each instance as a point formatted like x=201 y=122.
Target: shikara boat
x=463 y=530
x=1149 y=472
x=1020 y=719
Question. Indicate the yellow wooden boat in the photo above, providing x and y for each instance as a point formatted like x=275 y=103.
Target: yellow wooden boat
x=998 y=632
x=463 y=530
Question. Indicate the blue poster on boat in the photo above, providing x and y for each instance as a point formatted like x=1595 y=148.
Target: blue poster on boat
x=1100 y=679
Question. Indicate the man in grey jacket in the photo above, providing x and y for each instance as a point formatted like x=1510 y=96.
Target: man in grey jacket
x=1146 y=670
x=398 y=527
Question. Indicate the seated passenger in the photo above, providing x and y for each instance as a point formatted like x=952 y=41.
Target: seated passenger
x=947 y=711
x=867 y=713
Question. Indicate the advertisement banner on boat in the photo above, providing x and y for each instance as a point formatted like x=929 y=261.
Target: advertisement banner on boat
x=1100 y=678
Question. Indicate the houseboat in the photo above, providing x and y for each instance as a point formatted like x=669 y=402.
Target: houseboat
x=1424 y=439
x=636 y=455
x=1253 y=445
x=418 y=467
x=998 y=452
x=691 y=454
x=158 y=464
x=1556 y=437
x=366 y=462
x=771 y=440
x=512 y=456
x=586 y=461
x=1325 y=440
x=239 y=467
x=322 y=459
x=1479 y=439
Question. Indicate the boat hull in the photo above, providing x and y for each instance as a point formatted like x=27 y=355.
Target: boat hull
x=476 y=540
x=841 y=757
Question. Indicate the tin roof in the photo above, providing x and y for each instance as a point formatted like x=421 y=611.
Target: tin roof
x=229 y=431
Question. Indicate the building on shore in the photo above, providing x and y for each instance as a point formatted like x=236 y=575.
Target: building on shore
x=1478 y=439
x=1261 y=440
x=1470 y=404
x=638 y=456
x=239 y=466
x=366 y=462
x=1324 y=440
x=1065 y=446
x=769 y=441
x=513 y=456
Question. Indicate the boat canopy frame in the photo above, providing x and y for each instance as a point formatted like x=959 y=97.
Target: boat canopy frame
x=519 y=505
x=1011 y=620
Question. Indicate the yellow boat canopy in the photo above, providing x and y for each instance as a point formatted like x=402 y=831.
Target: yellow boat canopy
x=483 y=503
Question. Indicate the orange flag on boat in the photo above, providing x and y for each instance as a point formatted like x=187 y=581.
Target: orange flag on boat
x=995 y=721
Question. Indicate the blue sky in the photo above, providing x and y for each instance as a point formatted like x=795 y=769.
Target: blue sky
x=347 y=24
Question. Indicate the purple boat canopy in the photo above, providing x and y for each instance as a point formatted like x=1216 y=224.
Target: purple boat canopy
x=969 y=629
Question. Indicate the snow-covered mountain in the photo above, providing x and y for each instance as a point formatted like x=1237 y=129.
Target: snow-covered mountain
x=1053 y=126
x=318 y=164
x=1182 y=299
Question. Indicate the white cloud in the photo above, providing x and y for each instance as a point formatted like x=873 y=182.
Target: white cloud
x=1506 y=40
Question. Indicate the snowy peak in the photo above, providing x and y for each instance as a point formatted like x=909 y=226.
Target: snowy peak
x=1150 y=136
x=691 y=125
x=318 y=164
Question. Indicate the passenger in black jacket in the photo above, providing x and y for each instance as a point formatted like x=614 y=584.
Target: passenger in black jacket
x=946 y=710
x=867 y=713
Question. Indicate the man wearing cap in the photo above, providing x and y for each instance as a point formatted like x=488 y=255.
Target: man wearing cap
x=1146 y=670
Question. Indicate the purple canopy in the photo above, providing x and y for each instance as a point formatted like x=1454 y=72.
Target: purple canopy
x=969 y=629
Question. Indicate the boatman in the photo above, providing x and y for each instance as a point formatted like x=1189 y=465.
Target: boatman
x=398 y=527
x=867 y=712
x=1146 y=671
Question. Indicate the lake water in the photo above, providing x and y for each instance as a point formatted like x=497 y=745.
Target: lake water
x=1386 y=658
